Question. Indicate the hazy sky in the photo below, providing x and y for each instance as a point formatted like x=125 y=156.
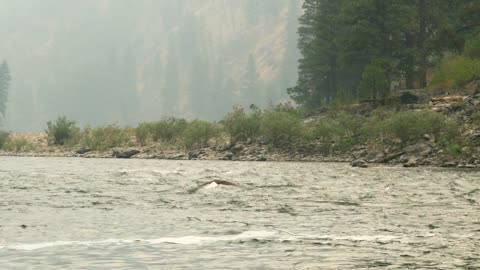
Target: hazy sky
x=126 y=61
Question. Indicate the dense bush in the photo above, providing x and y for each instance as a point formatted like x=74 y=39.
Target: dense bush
x=241 y=126
x=472 y=47
x=3 y=138
x=410 y=126
x=168 y=130
x=280 y=128
x=107 y=137
x=61 y=131
x=143 y=132
x=326 y=130
x=455 y=71
x=18 y=145
x=198 y=133
x=351 y=126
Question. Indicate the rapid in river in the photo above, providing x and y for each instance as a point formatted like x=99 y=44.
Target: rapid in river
x=59 y=213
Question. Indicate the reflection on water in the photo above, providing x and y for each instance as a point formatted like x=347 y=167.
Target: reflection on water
x=139 y=214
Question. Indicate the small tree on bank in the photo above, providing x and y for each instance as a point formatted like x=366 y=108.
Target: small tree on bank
x=61 y=131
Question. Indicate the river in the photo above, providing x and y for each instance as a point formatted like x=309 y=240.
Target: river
x=68 y=213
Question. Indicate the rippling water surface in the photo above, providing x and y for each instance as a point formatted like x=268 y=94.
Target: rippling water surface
x=149 y=214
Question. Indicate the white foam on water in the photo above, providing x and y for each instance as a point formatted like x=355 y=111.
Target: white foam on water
x=202 y=240
x=186 y=240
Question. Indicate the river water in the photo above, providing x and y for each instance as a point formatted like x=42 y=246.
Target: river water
x=58 y=213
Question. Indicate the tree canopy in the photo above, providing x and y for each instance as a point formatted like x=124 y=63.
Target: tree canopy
x=348 y=46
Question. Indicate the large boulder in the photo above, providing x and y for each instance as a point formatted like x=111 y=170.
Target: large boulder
x=83 y=150
x=237 y=148
x=360 y=163
x=411 y=162
x=125 y=153
x=418 y=148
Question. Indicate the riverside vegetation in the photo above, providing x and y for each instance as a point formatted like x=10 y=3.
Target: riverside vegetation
x=432 y=131
x=355 y=56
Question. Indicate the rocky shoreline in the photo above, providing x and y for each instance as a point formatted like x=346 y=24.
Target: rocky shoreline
x=421 y=154
x=463 y=109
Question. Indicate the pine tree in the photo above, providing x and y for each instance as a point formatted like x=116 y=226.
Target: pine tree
x=5 y=79
x=375 y=82
x=319 y=39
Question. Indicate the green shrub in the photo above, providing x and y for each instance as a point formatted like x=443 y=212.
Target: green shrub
x=326 y=130
x=472 y=47
x=107 y=137
x=198 y=133
x=476 y=119
x=168 y=130
x=351 y=126
x=18 y=145
x=376 y=125
x=61 y=131
x=410 y=126
x=455 y=71
x=453 y=149
x=242 y=127
x=279 y=128
x=375 y=83
x=143 y=133
x=3 y=138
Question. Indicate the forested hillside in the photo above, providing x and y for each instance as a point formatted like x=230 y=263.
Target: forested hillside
x=361 y=49
x=100 y=61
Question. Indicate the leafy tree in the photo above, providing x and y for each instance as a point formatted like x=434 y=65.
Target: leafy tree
x=61 y=131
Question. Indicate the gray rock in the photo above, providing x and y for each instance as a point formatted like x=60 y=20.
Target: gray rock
x=425 y=153
x=224 y=147
x=237 y=148
x=360 y=163
x=227 y=156
x=83 y=150
x=418 y=148
x=359 y=153
x=412 y=162
x=178 y=157
x=194 y=154
x=404 y=159
x=449 y=164
x=372 y=156
x=466 y=166
x=126 y=153
x=261 y=158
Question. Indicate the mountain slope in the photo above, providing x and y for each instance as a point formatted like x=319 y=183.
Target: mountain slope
x=128 y=61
